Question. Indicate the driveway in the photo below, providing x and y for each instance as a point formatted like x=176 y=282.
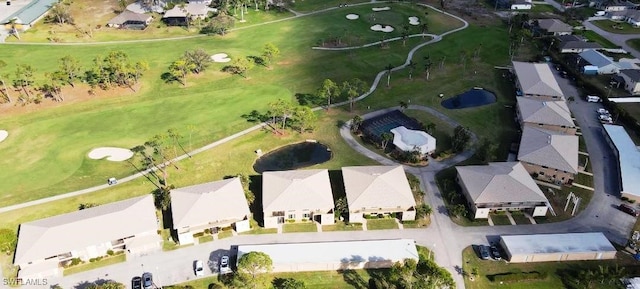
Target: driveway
x=617 y=39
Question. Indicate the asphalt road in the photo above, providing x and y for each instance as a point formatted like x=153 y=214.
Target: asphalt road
x=617 y=39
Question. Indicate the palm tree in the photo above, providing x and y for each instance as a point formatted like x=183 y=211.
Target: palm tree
x=405 y=35
x=5 y=91
x=412 y=66
x=388 y=69
x=430 y=127
x=385 y=138
x=427 y=66
x=424 y=28
x=356 y=122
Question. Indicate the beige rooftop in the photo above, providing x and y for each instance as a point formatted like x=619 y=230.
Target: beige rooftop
x=77 y=230
x=550 y=149
x=545 y=112
x=208 y=203
x=537 y=79
x=377 y=187
x=296 y=190
x=502 y=182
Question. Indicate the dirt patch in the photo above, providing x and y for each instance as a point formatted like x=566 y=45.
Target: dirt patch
x=473 y=11
x=79 y=93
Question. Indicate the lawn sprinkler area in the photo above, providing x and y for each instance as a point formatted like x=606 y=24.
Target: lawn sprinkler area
x=381 y=28
x=293 y=157
x=220 y=57
x=352 y=16
x=413 y=20
x=111 y=154
x=471 y=98
x=3 y=135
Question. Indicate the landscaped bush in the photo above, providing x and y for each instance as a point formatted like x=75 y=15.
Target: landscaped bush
x=75 y=261
x=291 y=220
x=198 y=235
x=110 y=252
x=207 y=231
x=225 y=229
x=517 y=276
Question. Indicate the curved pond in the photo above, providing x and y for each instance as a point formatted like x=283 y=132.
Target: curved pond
x=293 y=156
x=471 y=98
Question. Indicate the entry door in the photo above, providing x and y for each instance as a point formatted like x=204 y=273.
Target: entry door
x=280 y=220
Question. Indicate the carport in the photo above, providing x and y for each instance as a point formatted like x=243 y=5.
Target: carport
x=326 y=256
x=557 y=247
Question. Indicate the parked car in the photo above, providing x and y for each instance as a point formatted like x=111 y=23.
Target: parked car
x=112 y=181
x=629 y=210
x=593 y=98
x=605 y=118
x=198 y=268
x=147 y=280
x=224 y=264
x=495 y=253
x=484 y=252
x=136 y=282
x=603 y=111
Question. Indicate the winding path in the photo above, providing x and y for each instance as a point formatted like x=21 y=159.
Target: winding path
x=248 y=130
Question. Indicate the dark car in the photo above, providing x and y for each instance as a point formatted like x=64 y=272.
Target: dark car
x=495 y=253
x=147 y=280
x=136 y=282
x=484 y=252
x=629 y=210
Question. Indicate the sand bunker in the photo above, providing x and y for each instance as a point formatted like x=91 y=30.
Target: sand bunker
x=352 y=16
x=3 y=135
x=220 y=57
x=381 y=28
x=381 y=8
x=414 y=20
x=111 y=153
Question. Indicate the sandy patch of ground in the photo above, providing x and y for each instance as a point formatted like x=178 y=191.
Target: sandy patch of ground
x=376 y=9
x=414 y=20
x=353 y=16
x=111 y=153
x=381 y=28
x=220 y=57
x=3 y=135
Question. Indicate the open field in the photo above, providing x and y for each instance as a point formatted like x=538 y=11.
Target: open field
x=59 y=137
x=557 y=272
x=616 y=27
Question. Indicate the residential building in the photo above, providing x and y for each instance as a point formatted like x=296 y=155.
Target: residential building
x=549 y=115
x=521 y=5
x=605 y=64
x=297 y=195
x=633 y=17
x=501 y=186
x=537 y=80
x=631 y=80
x=613 y=5
x=628 y=156
x=557 y=247
x=47 y=244
x=128 y=18
x=617 y=15
x=578 y=46
x=376 y=190
x=550 y=156
x=212 y=206
x=554 y=27
x=180 y=13
x=28 y=15
x=335 y=256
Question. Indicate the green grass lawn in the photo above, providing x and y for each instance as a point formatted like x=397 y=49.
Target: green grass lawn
x=584 y=179
x=595 y=37
x=500 y=219
x=556 y=272
x=543 y=8
x=205 y=238
x=582 y=160
x=299 y=227
x=94 y=265
x=616 y=27
x=520 y=218
x=341 y=226
x=558 y=199
x=381 y=224
x=634 y=43
x=225 y=234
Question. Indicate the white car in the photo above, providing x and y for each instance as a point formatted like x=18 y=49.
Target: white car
x=224 y=264
x=605 y=118
x=199 y=268
x=603 y=111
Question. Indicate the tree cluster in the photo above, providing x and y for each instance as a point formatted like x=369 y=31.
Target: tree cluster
x=59 y=13
x=586 y=278
x=284 y=114
x=411 y=274
x=192 y=61
x=241 y=65
x=114 y=69
x=8 y=241
x=460 y=139
x=219 y=24
x=106 y=285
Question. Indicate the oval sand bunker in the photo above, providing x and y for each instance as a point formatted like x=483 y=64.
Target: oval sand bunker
x=353 y=16
x=3 y=135
x=220 y=57
x=111 y=153
x=381 y=28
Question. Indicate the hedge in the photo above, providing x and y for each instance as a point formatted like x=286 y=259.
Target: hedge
x=517 y=276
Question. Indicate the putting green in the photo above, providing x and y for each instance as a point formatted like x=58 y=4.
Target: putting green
x=46 y=153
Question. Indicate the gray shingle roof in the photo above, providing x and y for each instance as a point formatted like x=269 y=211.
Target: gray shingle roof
x=296 y=190
x=550 y=149
x=77 y=230
x=554 y=25
x=207 y=203
x=502 y=182
x=579 y=45
x=545 y=112
x=377 y=187
x=31 y=12
x=633 y=74
x=129 y=16
x=537 y=78
x=596 y=58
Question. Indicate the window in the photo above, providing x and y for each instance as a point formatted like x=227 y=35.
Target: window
x=306 y=215
x=541 y=173
x=291 y=216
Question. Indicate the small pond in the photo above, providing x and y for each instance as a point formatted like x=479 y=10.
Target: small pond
x=472 y=98
x=293 y=157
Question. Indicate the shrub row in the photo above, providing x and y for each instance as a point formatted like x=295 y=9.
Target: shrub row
x=518 y=276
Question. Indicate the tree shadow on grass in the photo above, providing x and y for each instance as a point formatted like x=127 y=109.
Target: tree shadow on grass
x=354 y=279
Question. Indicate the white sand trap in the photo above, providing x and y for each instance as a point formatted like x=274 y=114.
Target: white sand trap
x=3 y=135
x=111 y=153
x=381 y=8
x=220 y=57
x=381 y=28
x=353 y=16
x=414 y=20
